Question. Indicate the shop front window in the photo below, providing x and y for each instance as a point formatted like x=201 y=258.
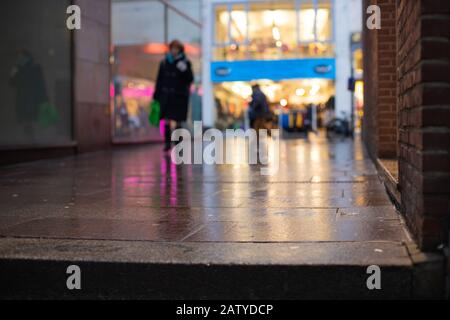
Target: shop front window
x=315 y=28
x=139 y=48
x=238 y=24
x=307 y=16
x=269 y=31
x=358 y=62
x=324 y=27
x=222 y=19
x=36 y=80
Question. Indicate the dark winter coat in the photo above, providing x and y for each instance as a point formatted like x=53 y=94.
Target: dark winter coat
x=259 y=107
x=173 y=87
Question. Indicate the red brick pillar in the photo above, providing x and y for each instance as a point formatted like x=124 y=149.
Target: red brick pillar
x=380 y=80
x=387 y=81
x=424 y=117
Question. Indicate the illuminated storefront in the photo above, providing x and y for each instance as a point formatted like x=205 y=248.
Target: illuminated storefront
x=285 y=46
x=273 y=30
x=358 y=72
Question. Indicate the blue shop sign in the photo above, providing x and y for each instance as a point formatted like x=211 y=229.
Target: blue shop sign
x=248 y=70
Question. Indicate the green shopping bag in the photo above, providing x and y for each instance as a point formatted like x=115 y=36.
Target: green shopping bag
x=155 y=113
x=48 y=114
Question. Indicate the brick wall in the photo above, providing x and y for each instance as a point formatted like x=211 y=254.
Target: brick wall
x=447 y=253
x=387 y=81
x=424 y=117
x=370 y=128
x=380 y=118
x=92 y=121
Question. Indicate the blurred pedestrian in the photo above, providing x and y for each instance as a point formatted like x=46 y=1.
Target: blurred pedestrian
x=28 y=80
x=259 y=111
x=329 y=115
x=173 y=88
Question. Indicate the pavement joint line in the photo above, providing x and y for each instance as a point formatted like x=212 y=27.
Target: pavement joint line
x=196 y=242
x=201 y=227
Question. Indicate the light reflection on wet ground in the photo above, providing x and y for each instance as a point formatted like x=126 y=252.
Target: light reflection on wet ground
x=323 y=192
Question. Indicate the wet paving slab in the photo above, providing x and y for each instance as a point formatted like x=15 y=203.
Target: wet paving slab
x=306 y=253
x=141 y=227
x=323 y=191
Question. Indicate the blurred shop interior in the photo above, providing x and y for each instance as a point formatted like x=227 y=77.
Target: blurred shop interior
x=273 y=30
x=255 y=34
x=283 y=96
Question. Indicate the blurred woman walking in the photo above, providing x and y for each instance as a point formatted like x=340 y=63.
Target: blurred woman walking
x=173 y=88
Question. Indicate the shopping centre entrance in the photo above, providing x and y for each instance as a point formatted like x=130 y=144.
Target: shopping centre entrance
x=286 y=99
x=287 y=48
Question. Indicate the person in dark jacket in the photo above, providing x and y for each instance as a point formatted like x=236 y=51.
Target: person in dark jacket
x=173 y=87
x=259 y=111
